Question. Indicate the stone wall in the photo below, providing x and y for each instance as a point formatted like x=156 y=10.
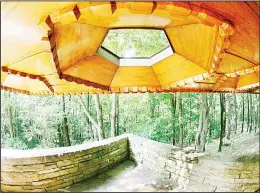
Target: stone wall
x=51 y=169
x=164 y=160
x=191 y=171
x=220 y=176
x=55 y=168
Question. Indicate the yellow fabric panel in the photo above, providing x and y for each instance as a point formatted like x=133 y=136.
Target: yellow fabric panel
x=95 y=69
x=55 y=80
x=131 y=76
x=62 y=86
x=134 y=14
x=229 y=84
x=76 y=42
x=36 y=85
x=101 y=8
x=14 y=81
x=38 y=64
x=25 y=83
x=140 y=7
x=3 y=77
x=212 y=79
x=74 y=88
x=198 y=86
x=231 y=63
x=20 y=35
x=245 y=41
x=153 y=20
x=195 y=42
x=175 y=68
x=248 y=79
x=23 y=50
x=257 y=72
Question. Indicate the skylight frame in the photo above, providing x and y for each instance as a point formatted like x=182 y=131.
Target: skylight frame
x=146 y=28
x=118 y=57
x=146 y=61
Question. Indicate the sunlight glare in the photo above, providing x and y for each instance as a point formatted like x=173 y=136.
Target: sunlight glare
x=13 y=29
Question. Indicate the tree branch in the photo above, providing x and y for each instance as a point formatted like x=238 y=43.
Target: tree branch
x=87 y=113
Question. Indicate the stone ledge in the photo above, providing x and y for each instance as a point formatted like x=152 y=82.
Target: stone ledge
x=55 y=169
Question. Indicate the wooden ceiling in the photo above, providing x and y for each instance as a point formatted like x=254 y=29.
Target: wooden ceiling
x=51 y=47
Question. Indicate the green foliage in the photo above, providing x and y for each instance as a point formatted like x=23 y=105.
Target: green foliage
x=143 y=42
x=16 y=143
x=38 y=121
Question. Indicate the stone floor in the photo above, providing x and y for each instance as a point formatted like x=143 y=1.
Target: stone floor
x=127 y=177
x=124 y=177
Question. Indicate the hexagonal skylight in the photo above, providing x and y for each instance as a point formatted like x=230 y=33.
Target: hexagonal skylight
x=135 y=47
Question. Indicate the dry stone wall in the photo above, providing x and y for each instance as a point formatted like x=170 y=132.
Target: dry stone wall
x=51 y=169
x=193 y=171
x=55 y=168
x=164 y=160
x=219 y=176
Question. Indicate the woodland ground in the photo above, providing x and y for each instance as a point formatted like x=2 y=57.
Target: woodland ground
x=129 y=177
x=242 y=145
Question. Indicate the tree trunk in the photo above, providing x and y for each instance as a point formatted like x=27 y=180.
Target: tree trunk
x=243 y=113
x=228 y=126
x=94 y=126
x=117 y=115
x=251 y=113
x=248 y=116
x=256 y=113
x=213 y=116
x=10 y=121
x=61 y=141
x=113 y=115
x=9 y=109
x=181 y=132
x=190 y=109
x=205 y=122
x=65 y=123
x=190 y=122
x=101 y=133
x=200 y=126
x=152 y=106
x=235 y=113
x=204 y=125
x=90 y=129
x=222 y=109
x=173 y=108
x=95 y=132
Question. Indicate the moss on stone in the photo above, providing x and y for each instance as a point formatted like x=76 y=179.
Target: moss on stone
x=253 y=158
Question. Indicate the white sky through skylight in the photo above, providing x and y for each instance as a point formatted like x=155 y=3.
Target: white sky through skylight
x=135 y=42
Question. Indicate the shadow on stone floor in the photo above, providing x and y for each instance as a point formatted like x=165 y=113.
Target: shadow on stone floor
x=127 y=176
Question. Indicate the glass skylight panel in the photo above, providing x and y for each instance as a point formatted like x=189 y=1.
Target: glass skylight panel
x=135 y=42
x=135 y=47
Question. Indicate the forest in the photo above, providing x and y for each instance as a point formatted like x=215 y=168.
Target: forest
x=180 y=119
